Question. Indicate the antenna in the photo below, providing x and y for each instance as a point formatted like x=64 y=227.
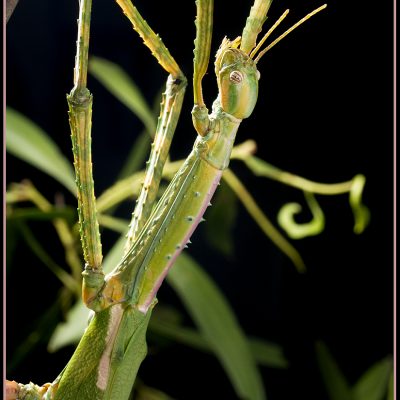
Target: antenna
x=308 y=16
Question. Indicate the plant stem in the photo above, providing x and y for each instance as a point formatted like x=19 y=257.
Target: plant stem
x=261 y=219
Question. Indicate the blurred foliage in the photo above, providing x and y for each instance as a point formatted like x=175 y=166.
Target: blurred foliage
x=374 y=384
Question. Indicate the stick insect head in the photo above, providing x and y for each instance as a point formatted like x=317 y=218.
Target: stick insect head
x=237 y=78
x=236 y=61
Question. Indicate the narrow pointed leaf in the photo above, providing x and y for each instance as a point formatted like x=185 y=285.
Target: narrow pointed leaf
x=335 y=382
x=70 y=331
x=265 y=353
x=373 y=384
x=268 y=354
x=118 y=82
x=140 y=149
x=216 y=321
x=25 y=140
x=137 y=156
x=390 y=395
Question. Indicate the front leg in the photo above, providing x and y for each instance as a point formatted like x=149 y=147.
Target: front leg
x=170 y=109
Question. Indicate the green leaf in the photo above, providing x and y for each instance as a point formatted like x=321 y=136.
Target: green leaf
x=335 y=382
x=390 y=395
x=221 y=219
x=27 y=141
x=114 y=256
x=116 y=224
x=265 y=353
x=268 y=354
x=70 y=331
x=373 y=384
x=217 y=323
x=140 y=149
x=37 y=248
x=137 y=156
x=118 y=82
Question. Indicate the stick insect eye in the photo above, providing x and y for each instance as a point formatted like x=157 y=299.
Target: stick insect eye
x=236 y=77
x=258 y=75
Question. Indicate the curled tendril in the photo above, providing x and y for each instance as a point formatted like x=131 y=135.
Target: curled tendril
x=298 y=231
x=353 y=187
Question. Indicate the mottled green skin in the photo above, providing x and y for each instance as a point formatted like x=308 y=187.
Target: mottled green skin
x=79 y=380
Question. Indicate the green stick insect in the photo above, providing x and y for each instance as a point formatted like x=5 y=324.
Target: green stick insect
x=106 y=361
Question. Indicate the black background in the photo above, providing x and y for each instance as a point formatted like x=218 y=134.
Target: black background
x=324 y=112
